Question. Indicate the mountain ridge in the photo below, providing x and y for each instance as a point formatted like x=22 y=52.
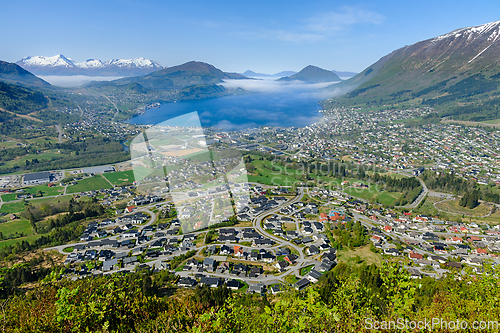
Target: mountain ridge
x=456 y=68
x=312 y=74
x=61 y=65
x=15 y=74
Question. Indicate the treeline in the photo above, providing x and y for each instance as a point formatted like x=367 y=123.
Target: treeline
x=349 y=235
x=445 y=182
x=410 y=188
x=66 y=227
x=75 y=154
x=470 y=199
x=347 y=299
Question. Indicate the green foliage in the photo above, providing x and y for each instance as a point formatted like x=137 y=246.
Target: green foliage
x=470 y=200
x=20 y=99
x=341 y=302
x=350 y=235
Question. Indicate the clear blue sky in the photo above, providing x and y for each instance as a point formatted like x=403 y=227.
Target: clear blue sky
x=265 y=36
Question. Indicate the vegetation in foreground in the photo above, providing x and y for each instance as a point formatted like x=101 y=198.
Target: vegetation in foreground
x=344 y=300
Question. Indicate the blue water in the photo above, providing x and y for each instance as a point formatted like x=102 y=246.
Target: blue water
x=242 y=111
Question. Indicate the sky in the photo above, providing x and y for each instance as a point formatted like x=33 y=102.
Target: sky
x=263 y=36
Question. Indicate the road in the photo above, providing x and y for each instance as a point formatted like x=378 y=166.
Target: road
x=116 y=108
x=60 y=133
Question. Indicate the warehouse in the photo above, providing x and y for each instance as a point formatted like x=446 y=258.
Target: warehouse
x=37 y=178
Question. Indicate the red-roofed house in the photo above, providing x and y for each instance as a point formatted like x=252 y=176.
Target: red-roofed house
x=129 y=209
x=414 y=255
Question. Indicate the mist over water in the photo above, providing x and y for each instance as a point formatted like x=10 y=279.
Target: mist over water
x=75 y=80
x=269 y=103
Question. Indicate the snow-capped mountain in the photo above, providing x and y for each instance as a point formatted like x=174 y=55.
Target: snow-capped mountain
x=461 y=65
x=61 y=65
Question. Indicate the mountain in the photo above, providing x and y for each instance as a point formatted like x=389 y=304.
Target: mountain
x=313 y=74
x=250 y=73
x=12 y=73
x=193 y=73
x=458 y=72
x=61 y=65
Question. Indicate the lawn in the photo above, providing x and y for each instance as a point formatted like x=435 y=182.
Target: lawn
x=305 y=270
x=20 y=226
x=120 y=177
x=89 y=184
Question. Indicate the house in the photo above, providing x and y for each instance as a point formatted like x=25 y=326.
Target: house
x=414 y=255
x=392 y=252
x=453 y=264
x=129 y=209
x=275 y=289
x=314 y=276
x=255 y=271
x=225 y=250
x=301 y=284
x=414 y=273
x=267 y=257
x=281 y=265
x=312 y=250
x=256 y=288
x=187 y=282
x=233 y=284
x=291 y=258
x=109 y=264
x=209 y=264
x=210 y=281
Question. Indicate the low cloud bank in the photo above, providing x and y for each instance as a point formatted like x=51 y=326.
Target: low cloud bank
x=75 y=80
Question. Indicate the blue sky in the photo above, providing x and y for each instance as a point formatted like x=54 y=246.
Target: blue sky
x=265 y=36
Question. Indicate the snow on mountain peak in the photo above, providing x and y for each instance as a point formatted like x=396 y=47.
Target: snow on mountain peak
x=492 y=28
x=55 y=61
x=62 y=61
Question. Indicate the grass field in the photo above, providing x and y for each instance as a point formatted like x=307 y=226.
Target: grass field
x=89 y=184
x=120 y=177
x=364 y=253
x=46 y=191
x=494 y=121
x=12 y=207
x=388 y=198
x=452 y=206
x=20 y=226
x=17 y=240
x=9 y=197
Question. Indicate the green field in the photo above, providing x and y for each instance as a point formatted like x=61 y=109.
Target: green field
x=9 y=197
x=89 y=184
x=11 y=227
x=44 y=189
x=494 y=121
x=120 y=177
x=388 y=198
x=17 y=240
x=363 y=193
x=12 y=207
